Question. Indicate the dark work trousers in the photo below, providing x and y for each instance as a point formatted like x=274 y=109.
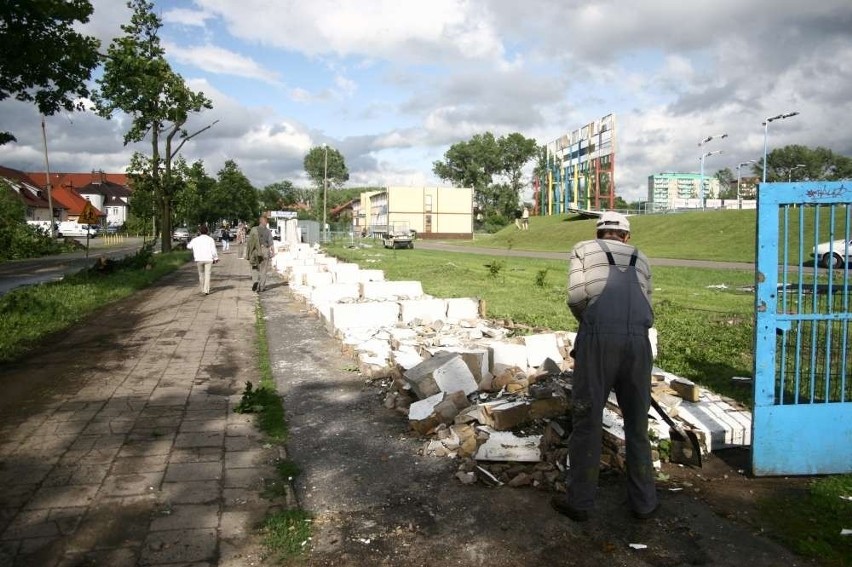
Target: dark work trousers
x=612 y=351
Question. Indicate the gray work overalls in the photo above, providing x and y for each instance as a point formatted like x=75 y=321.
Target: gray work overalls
x=612 y=351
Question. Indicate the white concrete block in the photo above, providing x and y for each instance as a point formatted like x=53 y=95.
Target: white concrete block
x=507 y=355
x=297 y=273
x=334 y=293
x=475 y=358
x=319 y=279
x=541 y=347
x=506 y=446
x=462 y=309
x=407 y=357
x=344 y=272
x=391 y=290
x=424 y=310
x=324 y=260
x=371 y=276
x=373 y=315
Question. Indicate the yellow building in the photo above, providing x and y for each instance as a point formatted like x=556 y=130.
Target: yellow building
x=432 y=212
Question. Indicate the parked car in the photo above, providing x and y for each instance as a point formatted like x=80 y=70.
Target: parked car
x=834 y=254
x=76 y=230
x=181 y=234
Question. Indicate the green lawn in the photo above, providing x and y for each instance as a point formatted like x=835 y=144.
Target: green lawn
x=724 y=236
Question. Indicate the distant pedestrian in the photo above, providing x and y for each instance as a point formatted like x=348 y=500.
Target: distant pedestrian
x=204 y=253
x=609 y=292
x=226 y=239
x=241 y=240
x=525 y=218
x=258 y=252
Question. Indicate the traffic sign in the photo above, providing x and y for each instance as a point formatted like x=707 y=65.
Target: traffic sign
x=89 y=215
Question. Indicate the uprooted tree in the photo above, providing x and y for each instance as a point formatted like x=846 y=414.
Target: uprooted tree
x=138 y=81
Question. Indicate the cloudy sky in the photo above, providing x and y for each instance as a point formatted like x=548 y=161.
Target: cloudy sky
x=392 y=84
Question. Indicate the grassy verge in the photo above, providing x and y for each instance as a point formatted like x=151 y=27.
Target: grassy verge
x=30 y=314
x=810 y=522
x=285 y=533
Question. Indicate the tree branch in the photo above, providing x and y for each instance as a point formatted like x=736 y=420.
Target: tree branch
x=191 y=136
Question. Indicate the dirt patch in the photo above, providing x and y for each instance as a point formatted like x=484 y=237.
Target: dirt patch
x=377 y=500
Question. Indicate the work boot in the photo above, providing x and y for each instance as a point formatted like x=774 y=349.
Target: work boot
x=254 y=286
x=561 y=505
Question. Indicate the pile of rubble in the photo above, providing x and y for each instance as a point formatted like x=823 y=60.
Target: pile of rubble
x=498 y=403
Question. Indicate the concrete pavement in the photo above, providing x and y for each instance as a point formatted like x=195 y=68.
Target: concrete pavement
x=119 y=444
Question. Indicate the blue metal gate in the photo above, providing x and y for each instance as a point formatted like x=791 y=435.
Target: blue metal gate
x=802 y=420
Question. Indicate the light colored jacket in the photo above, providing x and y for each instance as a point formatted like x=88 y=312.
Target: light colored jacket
x=203 y=248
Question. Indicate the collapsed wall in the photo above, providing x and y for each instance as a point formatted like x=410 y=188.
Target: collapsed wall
x=498 y=402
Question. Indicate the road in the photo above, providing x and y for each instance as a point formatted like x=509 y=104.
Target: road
x=449 y=247
x=31 y=271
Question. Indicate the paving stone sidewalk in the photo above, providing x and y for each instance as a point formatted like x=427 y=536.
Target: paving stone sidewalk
x=119 y=444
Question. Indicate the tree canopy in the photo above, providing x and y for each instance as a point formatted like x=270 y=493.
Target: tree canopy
x=42 y=58
x=138 y=81
x=797 y=163
x=476 y=162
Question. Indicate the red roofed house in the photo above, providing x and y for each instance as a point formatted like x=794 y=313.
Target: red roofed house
x=32 y=195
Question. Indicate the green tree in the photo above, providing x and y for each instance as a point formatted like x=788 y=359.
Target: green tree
x=476 y=162
x=234 y=197
x=138 y=80
x=799 y=163
x=276 y=196
x=42 y=58
x=727 y=183
x=192 y=202
x=325 y=164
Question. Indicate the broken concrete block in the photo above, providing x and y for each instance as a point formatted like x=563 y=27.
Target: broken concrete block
x=421 y=414
x=503 y=415
x=448 y=408
x=507 y=355
x=298 y=273
x=476 y=360
x=425 y=310
x=407 y=357
x=391 y=290
x=541 y=347
x=506 y=446
x=685 y=389
x=444 y=372
x=462 y=309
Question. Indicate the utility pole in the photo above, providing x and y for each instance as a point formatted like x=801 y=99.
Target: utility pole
x=47 y=175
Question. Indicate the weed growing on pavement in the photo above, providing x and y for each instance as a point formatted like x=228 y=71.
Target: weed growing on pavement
x=264 y=400
x=287 y=533
x=28 y=315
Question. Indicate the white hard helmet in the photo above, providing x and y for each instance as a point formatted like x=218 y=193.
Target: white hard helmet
x=610 y=220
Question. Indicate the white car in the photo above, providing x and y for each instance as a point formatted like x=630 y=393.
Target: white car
x=832 y=254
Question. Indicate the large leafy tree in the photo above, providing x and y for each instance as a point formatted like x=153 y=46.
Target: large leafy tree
x=42 y=58
x=233 y=197
x=727 y=183
x=476 y=162
x=138 y=81
x=324 y=164
x=798 y=163
x=191 y=206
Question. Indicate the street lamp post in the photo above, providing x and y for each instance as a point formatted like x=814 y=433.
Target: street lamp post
x=792 y=169
x=739 y=195
x=766 y=134
x=701 y=143
x=324 y=192
x=704 y=155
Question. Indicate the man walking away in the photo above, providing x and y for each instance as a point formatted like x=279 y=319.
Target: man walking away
x=258 y=252
x=609 y=289
x=241 y=240
x=204 y=253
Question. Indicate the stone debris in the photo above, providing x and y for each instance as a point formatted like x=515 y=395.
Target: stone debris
x=498 y=403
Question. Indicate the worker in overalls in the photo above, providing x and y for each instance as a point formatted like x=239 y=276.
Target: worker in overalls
x=609 y=289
